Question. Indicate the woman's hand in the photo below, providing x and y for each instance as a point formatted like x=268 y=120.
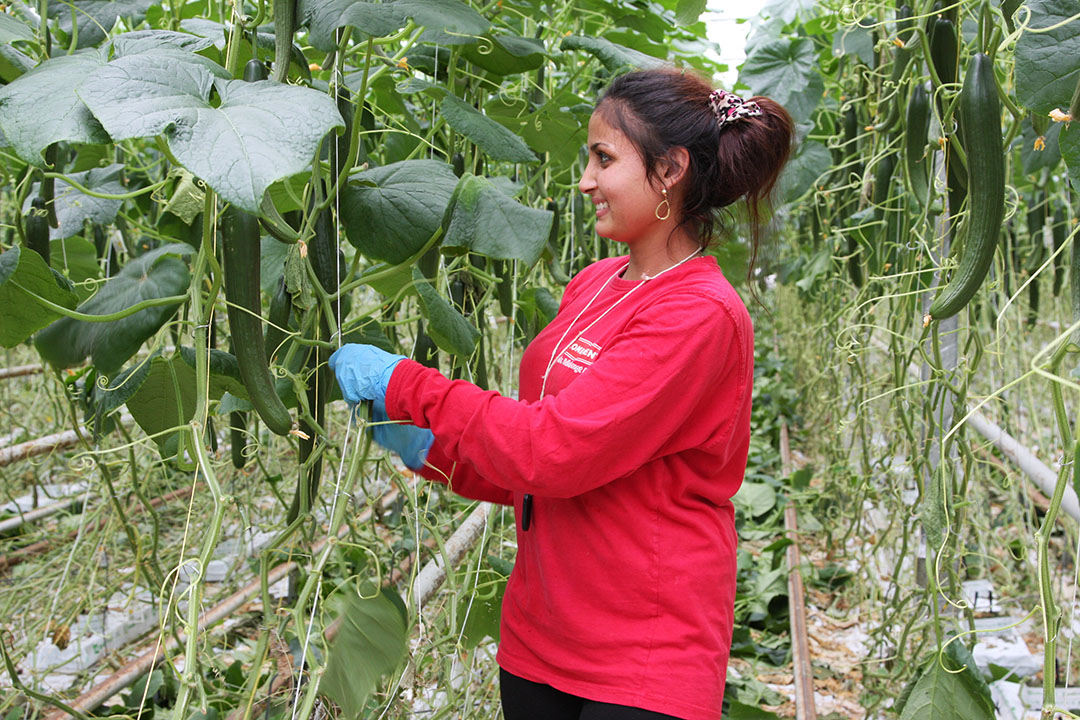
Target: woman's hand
x=363 y=371
x=408 y=441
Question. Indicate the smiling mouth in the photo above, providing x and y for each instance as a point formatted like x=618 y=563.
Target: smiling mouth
x=601 y=207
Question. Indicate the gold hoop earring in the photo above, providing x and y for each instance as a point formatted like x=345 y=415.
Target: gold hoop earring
x=663 y=204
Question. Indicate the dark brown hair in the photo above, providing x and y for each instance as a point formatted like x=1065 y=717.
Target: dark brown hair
x=662 y=109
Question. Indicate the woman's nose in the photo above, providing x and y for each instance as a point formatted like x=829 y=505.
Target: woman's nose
x=587 y=183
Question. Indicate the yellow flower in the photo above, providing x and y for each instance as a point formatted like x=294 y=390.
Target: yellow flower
x=403 y=63
x=1040 y=143
x=314 y=66
x=1057 y=116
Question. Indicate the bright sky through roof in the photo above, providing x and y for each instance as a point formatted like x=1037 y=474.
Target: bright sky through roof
x=720 y=18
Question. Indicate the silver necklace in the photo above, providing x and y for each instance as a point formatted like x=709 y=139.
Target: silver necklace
x=555 y=352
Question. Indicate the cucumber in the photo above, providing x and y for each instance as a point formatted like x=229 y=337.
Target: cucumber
x=280 y=312
x=284 y=28
x=1059 y=231
x=458 y=163
x=254 y=71
x=980 y=120
x=944 y=50
x=1074 y=280
x=237 y=438
x=917 y=121
x=36 y=227
x=241 y=253
x=555 y=265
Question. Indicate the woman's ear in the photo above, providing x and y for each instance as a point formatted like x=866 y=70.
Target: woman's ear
x=673 y=167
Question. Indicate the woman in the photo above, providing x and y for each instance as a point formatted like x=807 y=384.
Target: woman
x=633 y=425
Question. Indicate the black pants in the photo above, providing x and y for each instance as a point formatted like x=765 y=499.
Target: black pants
x=526 y=700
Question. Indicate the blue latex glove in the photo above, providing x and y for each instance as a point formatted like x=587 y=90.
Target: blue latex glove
x=408 y=441
x=363 y=371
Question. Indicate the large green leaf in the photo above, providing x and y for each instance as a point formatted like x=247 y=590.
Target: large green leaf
x=446 y=326
x=506 y=54
x=12 y=30
x=447 y=22
x=370 y=643
x=480 y=613
x=612 y=56
x=807 y=166
x=121 y=387
x=259 y=132
x=224 y=372
x=389 y=212
x=76 y=259
x=95 y=18
x=786 y=71
x=158 y=273
x=483 y=220
x=1048 y=63
x=1069 y=145
x=40 y=107
x=948 y=692
x=559 y=127
x=23 y=274
x=1033 y=160
x=74 y=207
x=856 y=41
x=687 y=12
x=166 y=399
x=491 y=137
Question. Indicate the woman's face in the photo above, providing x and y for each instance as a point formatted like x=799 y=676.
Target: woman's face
x=615 y=180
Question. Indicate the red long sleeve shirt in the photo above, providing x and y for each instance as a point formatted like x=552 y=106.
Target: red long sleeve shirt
x=624 y=585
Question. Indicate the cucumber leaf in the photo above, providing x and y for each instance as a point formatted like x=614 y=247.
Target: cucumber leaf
x=13 y=30
x=155 y=274
x=614 y=57
x=41 y=106
x=1048 y=63
x=166 y=399
x=446 y=22
x=23 y=272
x=943 y=692
x=390 y=212
x=74 y=207
x=95 y=18
x=786 y=71
x=257 y=134
x=491 y=137
x=370 y=644
x=506 y=54
x=483 y=220
x=446 y=326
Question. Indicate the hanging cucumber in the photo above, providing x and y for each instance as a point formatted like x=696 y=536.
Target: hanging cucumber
x=905 y=28
x=254 y=71
x=48 y=185
x=1059 y=231
x=280 y=312
x=237 y=438
x=36 y=228
x=241 y=259
x=917 y=121
x=425 y=351
x=457 y=162
x=555 y=266
x=1074 y=280
x=284 y=28
x=980 y=119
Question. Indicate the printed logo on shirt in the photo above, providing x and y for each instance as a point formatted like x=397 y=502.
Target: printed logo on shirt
x=579 y=355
